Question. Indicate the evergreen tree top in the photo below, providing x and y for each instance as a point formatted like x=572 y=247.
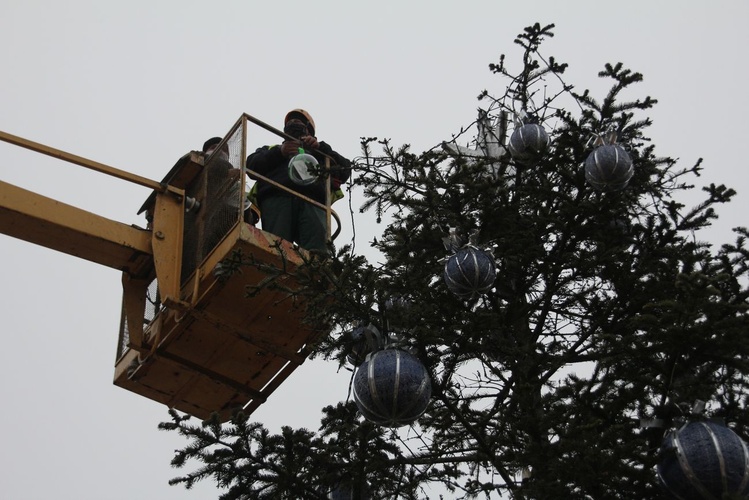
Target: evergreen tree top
x=607 y=310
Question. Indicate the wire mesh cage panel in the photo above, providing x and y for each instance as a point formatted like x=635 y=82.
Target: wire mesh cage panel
x=152 y=307
x=214 y=194
x=219 y=192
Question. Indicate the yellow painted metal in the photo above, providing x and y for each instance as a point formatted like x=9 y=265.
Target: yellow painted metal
x=226 y=351
x=134 y=293
x=79 y=160
x=37 y=219
x=168 y=230
x=329 y=203
x=180 y=176
x=328 y=210
x=209 y=348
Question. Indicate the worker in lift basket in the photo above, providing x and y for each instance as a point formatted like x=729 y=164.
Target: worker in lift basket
x=283 y=214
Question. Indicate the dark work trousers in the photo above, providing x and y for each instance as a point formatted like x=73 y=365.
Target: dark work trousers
x=294 y=219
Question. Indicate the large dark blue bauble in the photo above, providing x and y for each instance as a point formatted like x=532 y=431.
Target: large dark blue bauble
x=528 y=142
x=470 y=272
x=392 y=388
x=608 y=168
x=704 y=460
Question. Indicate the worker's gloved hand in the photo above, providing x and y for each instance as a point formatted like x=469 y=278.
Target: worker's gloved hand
x=310 y=141
x=290 y=148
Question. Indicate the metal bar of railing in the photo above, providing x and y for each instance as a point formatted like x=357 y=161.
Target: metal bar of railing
x=305 y=198
x=330 y=213
x=84 y=162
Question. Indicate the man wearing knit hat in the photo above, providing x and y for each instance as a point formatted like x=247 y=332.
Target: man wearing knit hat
x=284 y=214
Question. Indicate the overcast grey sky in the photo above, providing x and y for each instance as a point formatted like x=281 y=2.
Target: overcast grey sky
x=137 y=84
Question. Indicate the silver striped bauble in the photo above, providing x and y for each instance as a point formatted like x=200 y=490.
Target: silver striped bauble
x=704 y=460
x=470 y=272
x=608 y=168
x=392 y=388
x=528 y=142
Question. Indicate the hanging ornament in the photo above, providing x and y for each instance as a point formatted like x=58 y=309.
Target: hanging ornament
x=392 y=388
x=529 y=141
x=704 y=460
x=364 y=339
x=608 y=167
x=303 y=168
x=453 y=241
x=470 y=272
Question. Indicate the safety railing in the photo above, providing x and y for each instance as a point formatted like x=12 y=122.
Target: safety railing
x=330 y=213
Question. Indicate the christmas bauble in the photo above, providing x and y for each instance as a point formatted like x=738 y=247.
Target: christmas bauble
x=528 y=142
x=470 y=272
x=608 y=168
x=303 y=169
x=392 y=388
x=704 y=460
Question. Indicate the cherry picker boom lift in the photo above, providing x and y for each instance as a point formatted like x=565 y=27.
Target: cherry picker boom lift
x=190 y=337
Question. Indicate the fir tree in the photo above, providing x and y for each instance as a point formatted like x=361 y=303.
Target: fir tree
x=607 y=311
